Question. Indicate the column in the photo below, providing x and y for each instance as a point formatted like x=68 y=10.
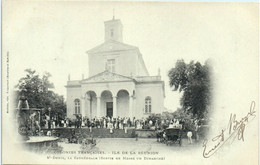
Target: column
x=82 y=108
x=88 y=107
x=131 y=107
x=98 y=106
x=114 y=107
x=91 y=108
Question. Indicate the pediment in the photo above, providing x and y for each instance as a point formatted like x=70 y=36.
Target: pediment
x=111 y=46
x=107 y=76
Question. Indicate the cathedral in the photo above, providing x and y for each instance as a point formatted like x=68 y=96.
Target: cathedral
x=118 y=84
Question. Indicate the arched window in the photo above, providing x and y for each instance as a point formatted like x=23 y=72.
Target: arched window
x=77 y=106
x=148 y=104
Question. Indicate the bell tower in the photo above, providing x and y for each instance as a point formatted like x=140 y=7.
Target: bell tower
x=114 y=30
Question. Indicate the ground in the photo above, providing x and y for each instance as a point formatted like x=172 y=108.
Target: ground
x=108 y=145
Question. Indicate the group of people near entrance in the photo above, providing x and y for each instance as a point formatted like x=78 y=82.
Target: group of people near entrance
x=111 y=122
x=107 y=122
x=123 y=122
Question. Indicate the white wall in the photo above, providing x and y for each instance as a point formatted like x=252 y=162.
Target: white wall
x=127 y=63
x=72 y=94
x=155 y=91
x=123 y=104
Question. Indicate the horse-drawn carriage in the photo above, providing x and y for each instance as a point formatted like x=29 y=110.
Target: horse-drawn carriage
x=173 y=136
x=170 y=136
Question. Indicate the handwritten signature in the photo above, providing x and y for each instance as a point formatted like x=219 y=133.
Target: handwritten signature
x=235 y=128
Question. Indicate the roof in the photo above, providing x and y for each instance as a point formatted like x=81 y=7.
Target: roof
x=107 y=76
x=113 y=20
x=110 y=46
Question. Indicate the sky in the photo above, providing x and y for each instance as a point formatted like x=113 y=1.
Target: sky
x=54 y=36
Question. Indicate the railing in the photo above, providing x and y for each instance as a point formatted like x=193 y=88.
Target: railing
x=148 y=78
x=75 y=82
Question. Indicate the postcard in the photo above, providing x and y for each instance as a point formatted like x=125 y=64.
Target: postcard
x=130 y=82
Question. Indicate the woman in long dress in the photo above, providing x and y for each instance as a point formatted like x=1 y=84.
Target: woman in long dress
x=105 y=123
x=189 y=135
x=111 y=127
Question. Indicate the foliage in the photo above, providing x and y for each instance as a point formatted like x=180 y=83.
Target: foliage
x=154 y=117
x=182 y=114
x=167 y=115
x=193 y=80
x=36 y=91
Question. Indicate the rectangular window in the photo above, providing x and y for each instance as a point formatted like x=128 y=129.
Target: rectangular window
x=148 y=105
x=77 y=106
x=111 y=65
x=111 y=32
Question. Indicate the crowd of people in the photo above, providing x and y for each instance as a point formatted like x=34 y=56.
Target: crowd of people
x=112 y=123
x=115 y=123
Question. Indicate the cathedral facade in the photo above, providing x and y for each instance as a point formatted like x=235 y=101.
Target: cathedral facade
x=118 y=84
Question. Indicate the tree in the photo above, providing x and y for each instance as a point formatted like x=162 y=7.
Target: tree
x=194 y=81
x=181 y=114
x=37 y=91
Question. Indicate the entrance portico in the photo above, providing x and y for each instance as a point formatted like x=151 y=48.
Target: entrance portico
x=111 y=96
x=107 y=104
